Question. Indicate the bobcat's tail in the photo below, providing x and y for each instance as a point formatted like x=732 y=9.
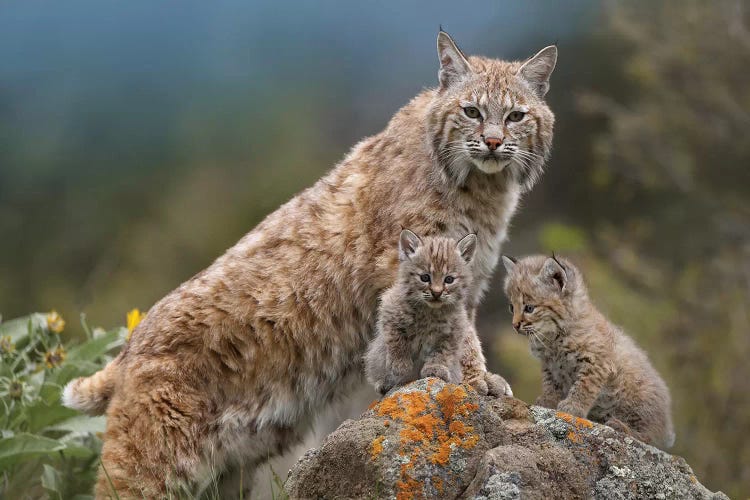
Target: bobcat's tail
x=92 y=394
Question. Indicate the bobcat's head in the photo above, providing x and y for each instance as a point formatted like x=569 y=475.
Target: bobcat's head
x=489 y=115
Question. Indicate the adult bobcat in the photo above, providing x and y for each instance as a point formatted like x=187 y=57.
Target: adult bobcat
x=230 y=367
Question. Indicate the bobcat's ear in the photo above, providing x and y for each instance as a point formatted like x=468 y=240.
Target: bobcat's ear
x=453 y=63
x=467 y=247
x=554 y=272
x=537 y=70
x=408 y=243
x=509 y=263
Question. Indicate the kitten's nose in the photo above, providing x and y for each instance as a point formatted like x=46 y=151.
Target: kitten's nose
x=493 y=142
x=517 y=325
x=436 y=293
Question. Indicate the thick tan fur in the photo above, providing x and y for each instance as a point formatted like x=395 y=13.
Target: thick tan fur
x=230 y=368
x=590 y=368
x=422 y=319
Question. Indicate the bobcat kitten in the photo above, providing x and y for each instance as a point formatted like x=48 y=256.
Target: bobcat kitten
x=590 y=368
x=422 y=318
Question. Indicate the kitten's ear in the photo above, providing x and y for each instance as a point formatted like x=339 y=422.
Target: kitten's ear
x=453 y=63
x=408 y=243
x=554 y=272
x=538 y=69
x=509 y=263
x=467 y=246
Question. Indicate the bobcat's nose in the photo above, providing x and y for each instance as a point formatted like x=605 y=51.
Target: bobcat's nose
x=517 y=325
x=493 y=142
x=436 y=293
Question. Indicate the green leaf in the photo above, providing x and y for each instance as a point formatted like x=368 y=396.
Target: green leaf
x=70 y=370
x=78 y=451
x=80 y=423
x=94 y=348
x=19 y=329
x=24 y=445
x=51 y=480
x=41 y=415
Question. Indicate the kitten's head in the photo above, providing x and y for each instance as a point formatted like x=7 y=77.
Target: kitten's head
x=435 y=270
x=542 y=291
x=490 y=115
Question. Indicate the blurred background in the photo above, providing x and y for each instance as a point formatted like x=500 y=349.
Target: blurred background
x=139 y=140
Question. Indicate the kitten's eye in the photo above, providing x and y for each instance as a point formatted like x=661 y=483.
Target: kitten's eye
x=528 y=309
x=510 y=307
x=472 y=112
x=516 y=116
x=425 y=277
x=449 y=279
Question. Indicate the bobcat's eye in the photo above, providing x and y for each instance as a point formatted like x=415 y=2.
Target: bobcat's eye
x=516 y=116
x=510 y=308
x=472 y=112
x=528 y=309
x=425 y=277
x=449 y=279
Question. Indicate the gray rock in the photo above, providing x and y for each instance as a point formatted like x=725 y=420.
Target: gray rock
x=430 y=439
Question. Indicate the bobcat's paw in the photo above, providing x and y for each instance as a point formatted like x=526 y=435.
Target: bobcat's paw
x=619 y=425
x=496 y=385
x=567 y=406
x=479 y=385
x=438 y=371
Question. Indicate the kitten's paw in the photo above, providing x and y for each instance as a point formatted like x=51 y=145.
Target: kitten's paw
x=438 y=371
x=479 y=385
x=566 y=406
x=619 y=425
x=496 y=385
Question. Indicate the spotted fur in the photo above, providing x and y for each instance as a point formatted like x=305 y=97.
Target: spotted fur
x=231 y=367
x=590 y=368
x=423 y=324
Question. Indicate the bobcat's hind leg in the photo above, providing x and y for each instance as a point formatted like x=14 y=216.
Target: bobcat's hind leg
x=154 y=443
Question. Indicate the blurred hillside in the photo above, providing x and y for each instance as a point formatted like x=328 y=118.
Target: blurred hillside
x=138 y=142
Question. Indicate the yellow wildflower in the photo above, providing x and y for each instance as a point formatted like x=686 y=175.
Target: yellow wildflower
x=6 y=345
x=134 y=317
x=55 y=322
x=54 y=357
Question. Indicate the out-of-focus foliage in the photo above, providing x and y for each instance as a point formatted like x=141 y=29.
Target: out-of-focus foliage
x=668 y=216
x=47 y=449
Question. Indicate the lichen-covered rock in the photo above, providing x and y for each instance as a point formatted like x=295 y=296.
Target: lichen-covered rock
x=430 y=439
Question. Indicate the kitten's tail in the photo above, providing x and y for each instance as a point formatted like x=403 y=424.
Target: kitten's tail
x=92 y=394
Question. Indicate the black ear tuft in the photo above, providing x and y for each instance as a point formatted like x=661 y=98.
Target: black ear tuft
x=555 y=272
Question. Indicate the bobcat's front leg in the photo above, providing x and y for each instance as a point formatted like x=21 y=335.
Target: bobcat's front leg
x=475 y=369
x=551 y=391
x=399 y=364
x=443 y=363
x=584 y=391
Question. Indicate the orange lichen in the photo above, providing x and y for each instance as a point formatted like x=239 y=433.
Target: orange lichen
x=408 y=488
x=376 y=448
x=373 y=404
x=430 y=431
x=438 y=483
x=578 y=422
x=574 y=437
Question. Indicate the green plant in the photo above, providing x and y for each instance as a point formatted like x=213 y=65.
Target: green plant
x=45 y=447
